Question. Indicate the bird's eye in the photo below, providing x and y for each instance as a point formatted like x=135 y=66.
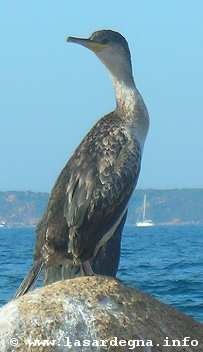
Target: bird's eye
x=104 y=41
x=99 y=37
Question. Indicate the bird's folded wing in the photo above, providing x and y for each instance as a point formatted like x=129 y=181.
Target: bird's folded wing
x=99 y=188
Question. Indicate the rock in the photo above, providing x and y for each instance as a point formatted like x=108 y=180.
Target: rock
x=94 y=311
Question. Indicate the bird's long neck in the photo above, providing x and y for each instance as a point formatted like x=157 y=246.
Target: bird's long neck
x=131 y=107
x=126 y=95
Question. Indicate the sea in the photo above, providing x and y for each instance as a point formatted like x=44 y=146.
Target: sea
x=164 y=261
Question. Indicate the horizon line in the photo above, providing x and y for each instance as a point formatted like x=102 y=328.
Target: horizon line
x=137 y=189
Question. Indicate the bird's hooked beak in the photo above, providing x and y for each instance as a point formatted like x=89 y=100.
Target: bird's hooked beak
x=88 y=43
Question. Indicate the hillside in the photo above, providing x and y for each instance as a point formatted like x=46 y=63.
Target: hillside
x=178 y=206
x=21 y=208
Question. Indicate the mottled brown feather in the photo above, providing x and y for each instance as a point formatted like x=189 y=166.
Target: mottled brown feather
x=91 y=192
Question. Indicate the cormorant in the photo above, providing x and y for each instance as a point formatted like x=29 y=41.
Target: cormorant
x=82 y=226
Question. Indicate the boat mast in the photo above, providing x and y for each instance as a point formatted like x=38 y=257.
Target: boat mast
x=144 y=208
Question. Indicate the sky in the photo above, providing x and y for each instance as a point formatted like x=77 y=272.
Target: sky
x=51 y=92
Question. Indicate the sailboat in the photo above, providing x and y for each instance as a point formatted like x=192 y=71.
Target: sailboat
x=2 y=224
x=145 y=222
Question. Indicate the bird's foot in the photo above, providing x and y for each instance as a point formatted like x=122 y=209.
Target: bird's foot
x=86 y=269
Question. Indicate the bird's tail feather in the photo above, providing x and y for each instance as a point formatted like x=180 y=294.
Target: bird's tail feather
x=30 y=278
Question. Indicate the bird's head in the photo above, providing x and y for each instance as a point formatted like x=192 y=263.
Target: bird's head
x=112 y=49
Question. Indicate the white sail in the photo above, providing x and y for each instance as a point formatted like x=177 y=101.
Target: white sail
x=145 y=222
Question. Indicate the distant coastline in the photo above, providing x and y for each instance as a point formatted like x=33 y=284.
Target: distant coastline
x=22 y=208
x=164 y=207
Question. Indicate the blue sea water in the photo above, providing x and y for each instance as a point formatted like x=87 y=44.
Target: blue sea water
x=165 y=261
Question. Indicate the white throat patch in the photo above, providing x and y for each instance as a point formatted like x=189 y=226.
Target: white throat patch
x=132 y=109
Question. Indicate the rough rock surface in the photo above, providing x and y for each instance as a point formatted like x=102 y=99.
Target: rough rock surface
x=93 y=311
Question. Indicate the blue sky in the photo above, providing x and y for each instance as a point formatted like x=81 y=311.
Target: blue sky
x=53 y=92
